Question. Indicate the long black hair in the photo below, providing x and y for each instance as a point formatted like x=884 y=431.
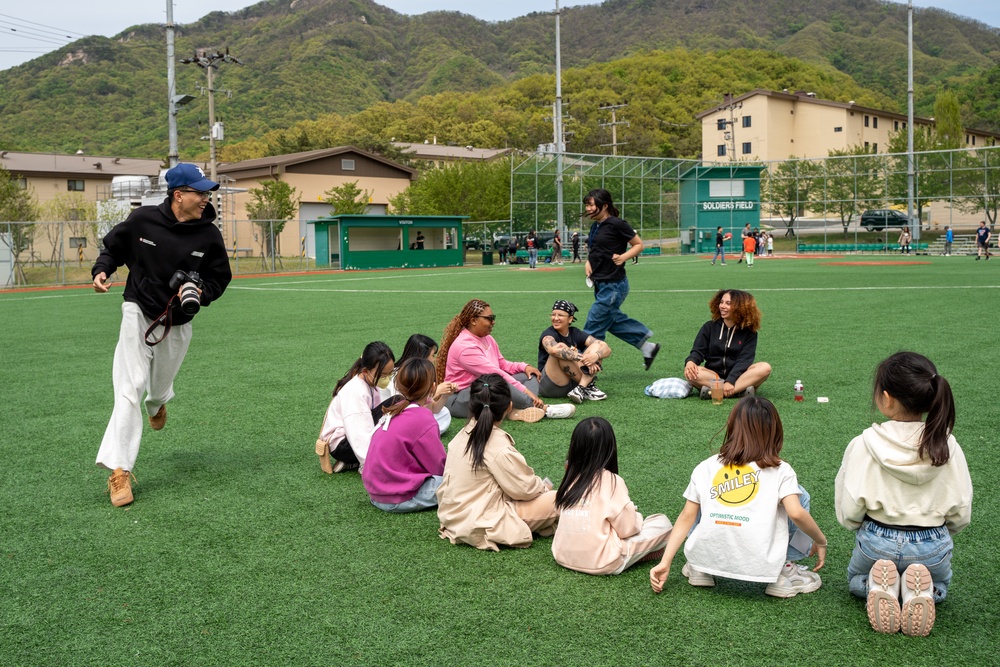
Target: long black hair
x=601 y=198
x=592 y=450
x=489 y=399
x=913 y=381
x=376 y=357
x=418 y=346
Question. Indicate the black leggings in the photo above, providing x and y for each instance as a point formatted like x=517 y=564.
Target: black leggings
x=343 y=451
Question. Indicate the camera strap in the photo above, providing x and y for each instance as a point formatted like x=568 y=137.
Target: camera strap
x=164 y=320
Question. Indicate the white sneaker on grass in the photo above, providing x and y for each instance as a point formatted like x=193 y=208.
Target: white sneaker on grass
x=883 y=597
x=917 y=613
x=697 y=577
x=794 y=579
x=561 y=411
x=594 y=394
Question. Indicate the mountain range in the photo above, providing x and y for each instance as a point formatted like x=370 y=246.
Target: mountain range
x=306 y=59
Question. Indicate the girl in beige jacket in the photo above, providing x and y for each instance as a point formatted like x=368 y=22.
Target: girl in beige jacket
x=490 y=495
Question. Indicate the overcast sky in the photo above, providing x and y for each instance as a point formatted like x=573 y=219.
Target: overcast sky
x=30 y=29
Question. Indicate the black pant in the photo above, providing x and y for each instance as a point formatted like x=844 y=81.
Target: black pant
x=343 y=451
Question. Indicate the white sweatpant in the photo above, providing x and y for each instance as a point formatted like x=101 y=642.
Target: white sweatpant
x=139 y=368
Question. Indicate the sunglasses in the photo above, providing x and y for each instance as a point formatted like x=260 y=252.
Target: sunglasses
x=491 y=318
x=203 y=195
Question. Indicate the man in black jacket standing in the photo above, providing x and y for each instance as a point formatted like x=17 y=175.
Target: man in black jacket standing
x=155 y=243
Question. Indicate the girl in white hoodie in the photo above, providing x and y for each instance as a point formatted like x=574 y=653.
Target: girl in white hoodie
x=904 y=486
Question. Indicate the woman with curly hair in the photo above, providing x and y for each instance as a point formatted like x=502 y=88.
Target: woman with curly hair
x=727 y=344
x=468 y=351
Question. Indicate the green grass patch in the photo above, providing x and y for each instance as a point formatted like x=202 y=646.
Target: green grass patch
x=238 y=550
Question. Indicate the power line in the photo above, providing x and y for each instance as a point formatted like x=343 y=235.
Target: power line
x=42 y=25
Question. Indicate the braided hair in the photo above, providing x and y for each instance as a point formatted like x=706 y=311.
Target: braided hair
x=471 y=310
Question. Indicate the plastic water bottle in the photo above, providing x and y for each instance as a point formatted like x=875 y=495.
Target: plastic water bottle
x=799 y=396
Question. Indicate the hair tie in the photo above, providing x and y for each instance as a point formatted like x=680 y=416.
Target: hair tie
x=486 y=384
x=933 y=375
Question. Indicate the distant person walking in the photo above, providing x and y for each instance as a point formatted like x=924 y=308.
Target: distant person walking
x=720 y=246
x=770 y=244
x=532 y=245
x=556 y=249
x=612 y=242
x=576 y=248
x=983 y=236
x=949 y=238
x=743 y=235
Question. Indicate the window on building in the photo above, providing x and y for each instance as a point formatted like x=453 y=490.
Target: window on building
x=720 y=150
x=347 y=165
x=746 y=121
x=74 y=185
x=22 y=184
x=895 y=126
x=747 y=148
x=838 y=129
x=868 y=120
x=874 y=148
x=720 y=124
x=875 y=122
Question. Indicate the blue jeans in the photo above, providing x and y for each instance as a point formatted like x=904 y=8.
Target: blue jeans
x=605 y=315
x=424 y=499
x=532 y=257
x=931 y=547
x=719 y=250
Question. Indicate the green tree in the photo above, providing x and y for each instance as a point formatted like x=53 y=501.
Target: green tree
x=270 y=207
x=788 y=189
x=77 y=212
x=348 y=199
x=480 y=190
x=930 y=179
x=981 y=185
x=853 y=181
x=948 y=129
x=17 y=205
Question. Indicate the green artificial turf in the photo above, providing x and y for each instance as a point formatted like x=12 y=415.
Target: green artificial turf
x=239 y=551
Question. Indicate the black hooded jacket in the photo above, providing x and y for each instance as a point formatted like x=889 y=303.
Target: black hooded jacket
x=153 y=244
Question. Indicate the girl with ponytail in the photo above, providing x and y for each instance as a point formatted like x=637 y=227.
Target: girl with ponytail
x=904 y=487
x=490 y=495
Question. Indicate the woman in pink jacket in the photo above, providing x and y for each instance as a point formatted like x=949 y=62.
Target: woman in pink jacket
x=469 y=351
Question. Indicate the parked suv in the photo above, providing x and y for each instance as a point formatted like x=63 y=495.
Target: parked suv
x=881 y=218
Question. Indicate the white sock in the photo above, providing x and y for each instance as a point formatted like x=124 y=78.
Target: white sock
x=647 y=348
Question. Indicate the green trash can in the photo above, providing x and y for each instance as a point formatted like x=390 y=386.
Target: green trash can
x=487 y=258
x=685 y=248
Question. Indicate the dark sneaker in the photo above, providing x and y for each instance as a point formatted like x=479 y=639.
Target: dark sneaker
x=705 y=393
x=649 y=360
x=120 y=487
x=343 y=466
x=578 y=394
x=159 y=420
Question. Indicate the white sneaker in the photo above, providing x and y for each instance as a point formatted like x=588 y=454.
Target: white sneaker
x=696 y=577
x=561 y=411
x=794 y=579
x=595 y=394
x=917 y=613
x=577 y=394
x=883 y=597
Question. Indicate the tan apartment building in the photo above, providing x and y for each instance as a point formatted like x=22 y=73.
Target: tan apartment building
x=771 y=126
x=312 y=174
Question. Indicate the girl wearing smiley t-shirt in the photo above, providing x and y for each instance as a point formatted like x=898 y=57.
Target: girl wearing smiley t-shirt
x=744 y=512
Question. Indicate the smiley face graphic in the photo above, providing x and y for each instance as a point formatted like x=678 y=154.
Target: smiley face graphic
x=734 y=486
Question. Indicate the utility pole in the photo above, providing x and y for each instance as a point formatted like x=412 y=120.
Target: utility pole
x=209 y=62
x=558 y=126
x=614 y=125
x=171 y=87
x=729 y=135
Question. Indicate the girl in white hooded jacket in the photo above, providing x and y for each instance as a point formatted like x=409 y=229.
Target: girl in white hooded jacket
x=904 y=486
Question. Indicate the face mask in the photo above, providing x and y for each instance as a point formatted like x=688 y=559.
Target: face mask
x=383 y=382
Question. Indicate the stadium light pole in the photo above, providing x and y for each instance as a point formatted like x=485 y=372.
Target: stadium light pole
x=915 y=228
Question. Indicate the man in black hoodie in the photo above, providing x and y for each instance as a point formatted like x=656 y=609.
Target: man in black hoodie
x=155 y=242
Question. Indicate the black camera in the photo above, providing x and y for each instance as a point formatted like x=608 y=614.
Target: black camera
x=188 y=284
